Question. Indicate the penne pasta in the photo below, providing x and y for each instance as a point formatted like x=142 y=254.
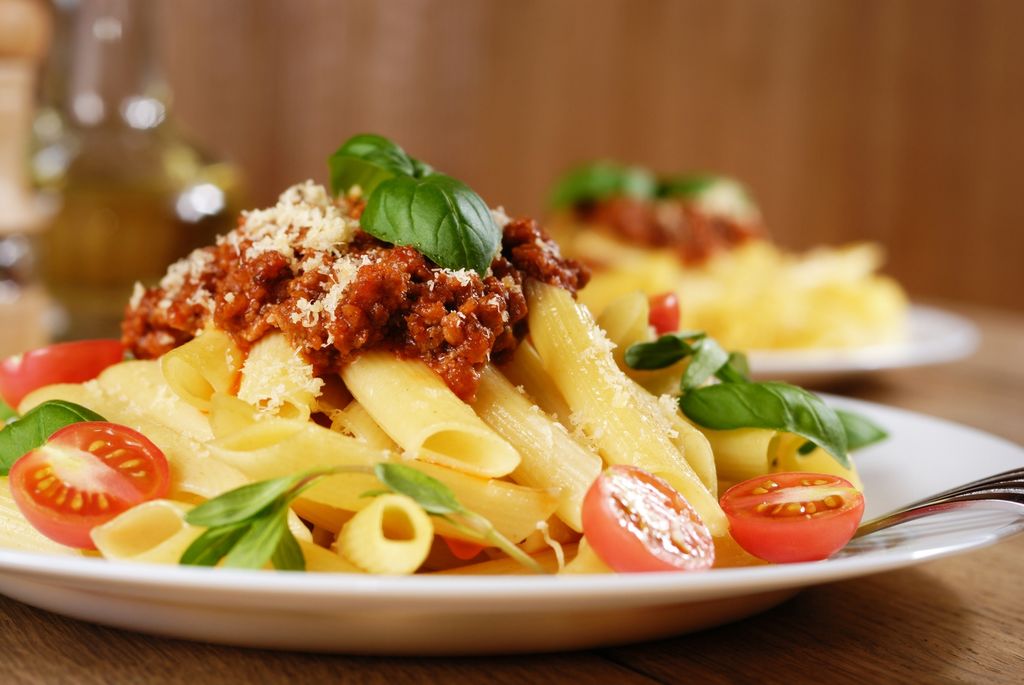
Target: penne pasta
x=357 y=422
x=153 y=532
x=208 y=363
x=194 y=470
x=275 y=378
x=607 y=406
x=431 y=422
x=551 y=458
x=526 y=370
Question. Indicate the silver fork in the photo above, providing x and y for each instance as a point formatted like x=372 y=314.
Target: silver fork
x=1003 y=490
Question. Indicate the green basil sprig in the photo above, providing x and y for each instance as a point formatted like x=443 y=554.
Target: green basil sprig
x=777 y=406
x=860 y=432
x=736 y=402
x=248 y=526
x=367 y=160
x=6 y=413
x=439 y=216
x=34 y=428
x=602 y=180
x=409 y=203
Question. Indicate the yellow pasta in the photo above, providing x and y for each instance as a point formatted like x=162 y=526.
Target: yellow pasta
x=276 y=379
x=153 y=532
x=607 y=406
x=551 y=458
x=526 y=370
x=206 y=364
x=141 y=385
x=742 y=453
x=430 y=422
x=194 y=470
x=279 y=447
x=356 y=421
x=391 y=535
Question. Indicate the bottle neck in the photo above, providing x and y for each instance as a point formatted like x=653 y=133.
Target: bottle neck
x=113 y=79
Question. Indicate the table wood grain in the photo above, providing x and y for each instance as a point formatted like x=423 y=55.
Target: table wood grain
x=956 y=620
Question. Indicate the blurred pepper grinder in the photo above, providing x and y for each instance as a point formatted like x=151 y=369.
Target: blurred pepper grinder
x=24 y=36
x=135 y=195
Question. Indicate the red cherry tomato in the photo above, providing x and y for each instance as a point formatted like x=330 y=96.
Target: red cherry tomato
x=664 y=314
x=86 y=474
x=71 y=362
x=637 y=522
x=461 y=549
x=790 y=517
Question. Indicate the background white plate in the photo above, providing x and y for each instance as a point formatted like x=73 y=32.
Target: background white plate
x=458 y=614
x=934 y=336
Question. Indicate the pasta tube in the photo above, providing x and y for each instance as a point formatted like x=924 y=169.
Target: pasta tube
x=418 y=411
x=142 y=385
x=152 y=532
x=206 y=364
x=608 y=407
x=391 y=535
x=551 y=458
x=278 y=380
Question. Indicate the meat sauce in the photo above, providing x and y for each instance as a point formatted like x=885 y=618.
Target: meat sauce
x=695 y=235
x=455 y=321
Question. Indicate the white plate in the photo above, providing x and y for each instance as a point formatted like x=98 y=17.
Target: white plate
x=448 y=615
x=934 y=336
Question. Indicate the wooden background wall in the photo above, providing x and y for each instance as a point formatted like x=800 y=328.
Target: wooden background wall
x=900 y=121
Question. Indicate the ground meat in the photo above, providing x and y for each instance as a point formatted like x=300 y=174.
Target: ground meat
x=454 y=321
x=696 y=235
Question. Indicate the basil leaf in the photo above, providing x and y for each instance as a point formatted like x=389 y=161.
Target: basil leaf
x=688 y=186
x=430 y=493
x=210 y=547
x=367 y=160
x=708 y=359
x=806 y=448
x=6 y=413
x=288 y=555
x=777 y=406
x=860 y=431
x=736 y=370
x=439 y=216
x=261 y=540
x=601 y=180
x=665 y=351
x=36 y=426
x=243 y=503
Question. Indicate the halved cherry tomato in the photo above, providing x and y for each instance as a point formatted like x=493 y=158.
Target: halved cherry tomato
x=86 y=474
x=70 y=362
x=461 y=549
x=664 y=314
x=636 y=521
x=790 y=517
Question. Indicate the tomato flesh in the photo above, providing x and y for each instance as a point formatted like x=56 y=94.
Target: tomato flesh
x=71 y=362
x=461 y=549
x=793 y=517
x=664 y=313
x=85 y=475
x=636 y=522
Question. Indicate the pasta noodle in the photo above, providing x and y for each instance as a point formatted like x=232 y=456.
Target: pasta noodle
x=391 y=535
x=206 y=364
x=432 y=422
x=607 y=406
x=551 y=458
x=275 y=378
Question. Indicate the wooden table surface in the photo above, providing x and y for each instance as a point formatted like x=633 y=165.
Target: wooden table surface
x=952 y=620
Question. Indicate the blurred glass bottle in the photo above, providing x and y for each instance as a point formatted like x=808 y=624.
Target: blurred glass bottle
x=135 y=195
